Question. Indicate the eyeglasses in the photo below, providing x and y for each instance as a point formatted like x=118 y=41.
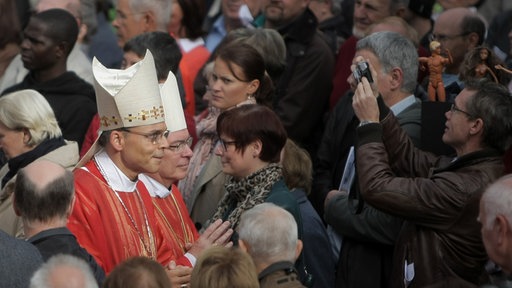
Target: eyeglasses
x=225 y=144
x=153 y=137
x=442 y=37
x=454 y=109
x=179 y=146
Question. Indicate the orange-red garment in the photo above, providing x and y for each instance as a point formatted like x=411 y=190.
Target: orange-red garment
x=177 y=227
x=190 y=64
x=103 y=227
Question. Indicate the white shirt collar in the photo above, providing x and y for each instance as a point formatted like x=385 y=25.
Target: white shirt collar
x=188 y=44
x=155 y=188
x=116 y=179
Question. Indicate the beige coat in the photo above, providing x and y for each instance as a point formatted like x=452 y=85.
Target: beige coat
x=67 y=156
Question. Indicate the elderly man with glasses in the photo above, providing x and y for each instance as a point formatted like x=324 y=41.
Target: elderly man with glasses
x=114 y=217
x=170 y=210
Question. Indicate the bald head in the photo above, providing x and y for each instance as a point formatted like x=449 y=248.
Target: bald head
x=43 y=172
x=43 y=191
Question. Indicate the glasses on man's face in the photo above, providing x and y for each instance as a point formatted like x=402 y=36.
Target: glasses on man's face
x=179 y=146
x=154 y=137
x=225 y=144
x=442 y=37
x=454 y=109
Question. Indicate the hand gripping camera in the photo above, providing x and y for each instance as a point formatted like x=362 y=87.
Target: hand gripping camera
x=362 y=70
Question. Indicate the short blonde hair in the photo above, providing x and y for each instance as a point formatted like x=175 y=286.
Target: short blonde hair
x=27 y=109
x=220 y=267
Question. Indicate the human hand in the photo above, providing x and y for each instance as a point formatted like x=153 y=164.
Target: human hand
x=178 y=274
x=364 y=103
x=332 y=194
x=218 y=233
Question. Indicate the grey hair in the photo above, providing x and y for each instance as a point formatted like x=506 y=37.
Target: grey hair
x=394 y=50
x=271 y=233
x=161 y=8
x=497 y=200
x=27 y=109
x=42 y=277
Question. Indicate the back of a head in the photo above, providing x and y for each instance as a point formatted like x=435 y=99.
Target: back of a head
x=43 y=191
x=161 y=9
x=492 y=103
x=64 y=271
x=9 y=24
x=497 y=200
x=165 y=50
x=297 y=167
x=193 y=15
x=270 y=233
x=395 y=24
x=220 y=267
x=271 y=46
x=61 y=26
x=29 y=110
x=138 y=272
x=394 y=50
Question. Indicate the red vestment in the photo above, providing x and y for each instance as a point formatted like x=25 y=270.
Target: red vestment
x=177 y=227
x=105 y=227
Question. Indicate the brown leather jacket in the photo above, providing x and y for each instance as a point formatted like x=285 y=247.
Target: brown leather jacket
x=439 y=201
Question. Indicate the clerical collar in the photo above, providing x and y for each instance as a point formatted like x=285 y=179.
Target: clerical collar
x=155 y=188
x=116 y=179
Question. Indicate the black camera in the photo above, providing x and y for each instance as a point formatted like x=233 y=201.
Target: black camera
x=362 y=70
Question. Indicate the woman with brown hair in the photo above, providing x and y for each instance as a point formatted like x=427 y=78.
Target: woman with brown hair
x=238 y=78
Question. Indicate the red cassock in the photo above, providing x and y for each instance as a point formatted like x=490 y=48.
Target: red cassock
x=115 y=226
x=177 y=227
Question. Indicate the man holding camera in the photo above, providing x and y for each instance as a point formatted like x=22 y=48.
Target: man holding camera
x=366 y=255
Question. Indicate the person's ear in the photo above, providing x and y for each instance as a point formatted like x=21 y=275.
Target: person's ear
x=117 y=140
x=477 y=127
x=397 y=78
x=243 y=246
x=253 y=86
x=256 y=148
x=26 y=136
x=501 y=226
x=60 y=50
x=15 y=207
x=149 y=21
x=298 y=249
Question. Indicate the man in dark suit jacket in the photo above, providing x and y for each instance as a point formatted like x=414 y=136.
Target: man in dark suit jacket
x=44 y=195
x=18 y=261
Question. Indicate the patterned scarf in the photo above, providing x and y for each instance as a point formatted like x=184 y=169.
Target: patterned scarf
x=245 y=193
x=207 y=132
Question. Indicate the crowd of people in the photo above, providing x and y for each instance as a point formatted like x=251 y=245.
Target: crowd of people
x=261 y=143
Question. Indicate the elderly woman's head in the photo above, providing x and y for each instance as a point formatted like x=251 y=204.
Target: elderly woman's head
x=26 y=120
x=251 y=137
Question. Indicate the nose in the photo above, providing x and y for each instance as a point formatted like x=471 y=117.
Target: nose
x=188 y=152
x=115 y=23
x=218 y=150
x=25 y=44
